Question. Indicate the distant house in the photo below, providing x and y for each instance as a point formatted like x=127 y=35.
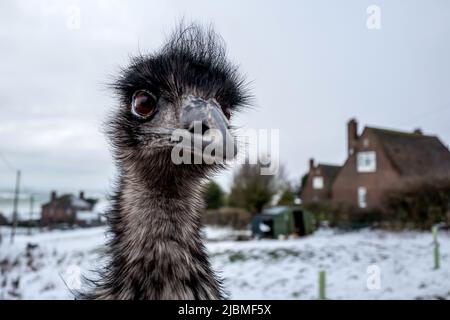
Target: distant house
x=380 y=159
x=317 y=188
x=69 y=209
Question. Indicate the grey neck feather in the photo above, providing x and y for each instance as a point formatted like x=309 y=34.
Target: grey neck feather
x=156 y=250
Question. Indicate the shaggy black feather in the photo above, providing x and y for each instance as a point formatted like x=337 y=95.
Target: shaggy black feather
x=192 y=58
x=155 y=249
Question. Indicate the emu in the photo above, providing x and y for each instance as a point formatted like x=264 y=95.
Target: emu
x=155 y=249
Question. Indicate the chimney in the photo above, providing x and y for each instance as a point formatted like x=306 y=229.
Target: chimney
x=82 y=195
x=418 y=131
x=53 y=196
x=311 y=164
x=352 y=135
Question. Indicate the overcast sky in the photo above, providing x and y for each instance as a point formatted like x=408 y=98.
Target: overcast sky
x=313 y=65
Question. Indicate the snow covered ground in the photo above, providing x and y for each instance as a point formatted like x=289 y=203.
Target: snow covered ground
x=266 y=269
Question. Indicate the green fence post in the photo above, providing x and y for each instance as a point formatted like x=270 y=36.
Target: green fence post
x=436 y=248
x=322 y=285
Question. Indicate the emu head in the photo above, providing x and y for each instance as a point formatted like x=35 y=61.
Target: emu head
x=183 y=95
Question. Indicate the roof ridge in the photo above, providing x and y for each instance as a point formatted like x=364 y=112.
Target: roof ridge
x=328 y=165
x=398 y=132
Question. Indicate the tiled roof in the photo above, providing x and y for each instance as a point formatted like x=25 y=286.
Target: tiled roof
x=414 y=154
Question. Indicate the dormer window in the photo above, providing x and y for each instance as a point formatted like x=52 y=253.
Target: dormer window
x=366 y=161
x=317 y=182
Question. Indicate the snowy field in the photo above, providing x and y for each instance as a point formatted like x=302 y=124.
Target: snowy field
x=42 y=265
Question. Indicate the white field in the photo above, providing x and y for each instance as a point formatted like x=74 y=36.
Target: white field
x=266 y=269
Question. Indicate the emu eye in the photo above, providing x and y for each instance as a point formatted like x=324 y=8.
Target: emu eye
x=143 y=104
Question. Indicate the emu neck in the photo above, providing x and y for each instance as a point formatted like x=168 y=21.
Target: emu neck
x=163 y=211
x=157 y=250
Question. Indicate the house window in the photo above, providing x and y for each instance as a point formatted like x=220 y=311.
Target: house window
x=362 y=192
x=366 y=161
x=317 y=182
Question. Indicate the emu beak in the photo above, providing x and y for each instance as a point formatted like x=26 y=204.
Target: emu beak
x=208 y=129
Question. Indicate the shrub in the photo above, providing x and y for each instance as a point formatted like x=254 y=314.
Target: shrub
x=213 y=196
x=344 y=216
x=419 y=203
x=321 y=211
x=236 y=218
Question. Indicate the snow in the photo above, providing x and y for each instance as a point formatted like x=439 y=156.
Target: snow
x=214 y=233
x=79 y=204
x=275 y=210
x=264 y=269
x=101 y=206
x=88 y=216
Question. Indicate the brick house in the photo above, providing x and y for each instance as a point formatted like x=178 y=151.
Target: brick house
x=317 y=187
x=381 y=159
x=66 y=209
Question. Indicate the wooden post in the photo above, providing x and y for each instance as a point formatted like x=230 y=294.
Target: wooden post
x=31 y=214
x=16 y=203
x=322 y=285
x=436 y=248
